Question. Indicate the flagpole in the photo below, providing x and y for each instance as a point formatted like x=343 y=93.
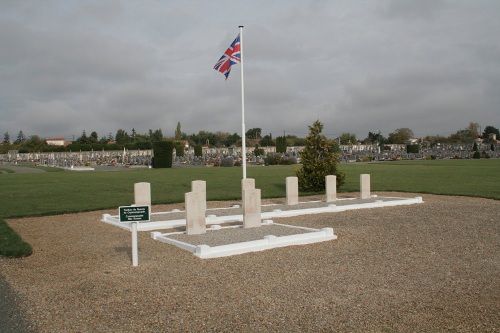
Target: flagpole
x=243 y=138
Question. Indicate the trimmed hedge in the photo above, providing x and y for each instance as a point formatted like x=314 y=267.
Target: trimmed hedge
x=198 y=151
x=179 y=150
x=412 y=149
x=162 y=151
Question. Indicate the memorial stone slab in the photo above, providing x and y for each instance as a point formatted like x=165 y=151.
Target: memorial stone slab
x=251 y=208
x=195 y=214
x=142 y=194
x=331 y=188
x=364 y=186
x=292 y=190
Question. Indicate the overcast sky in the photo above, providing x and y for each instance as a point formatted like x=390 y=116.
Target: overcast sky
x=358 y=66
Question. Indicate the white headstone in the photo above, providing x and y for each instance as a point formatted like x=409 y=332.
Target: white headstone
x=331 y=188
x=200 y=186
x=142 y=194
x=364 y=186
x=251 y=208
x=292 y=190
x=195 y=214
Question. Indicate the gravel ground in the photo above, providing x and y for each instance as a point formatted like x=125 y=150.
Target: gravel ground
x=432 y=267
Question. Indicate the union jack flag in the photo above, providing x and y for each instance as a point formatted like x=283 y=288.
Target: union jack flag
x=232 y=56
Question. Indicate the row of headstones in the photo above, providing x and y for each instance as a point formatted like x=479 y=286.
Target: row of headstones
x=292 y=188
x=196 y=200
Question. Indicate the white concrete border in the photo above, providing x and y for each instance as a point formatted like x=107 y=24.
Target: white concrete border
x=213 y=219
x=268 y=242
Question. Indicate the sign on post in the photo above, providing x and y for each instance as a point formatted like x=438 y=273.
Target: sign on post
x=134 y=213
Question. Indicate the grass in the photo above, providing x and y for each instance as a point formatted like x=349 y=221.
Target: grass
x=68 y=192
x=11 y=245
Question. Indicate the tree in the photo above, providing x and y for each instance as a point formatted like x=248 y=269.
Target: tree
x=93 y=138
x=467 y=135
x=267 y=141
x=401 y=135
x=155 y=136
x=490 y=130
x=473 y=130
x=178 y=133
x=83 y=139
x=34 y=143
x=281 y=144
x=254 y=133
x=258 y=151
x=6 y=138
x=20 y=138
x=374 y=138
x=347 y=138
x=121 y=137
x=318 y=161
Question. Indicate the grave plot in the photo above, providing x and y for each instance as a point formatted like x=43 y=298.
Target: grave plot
x=222 y=241
x=212 y=233
x=177 y=218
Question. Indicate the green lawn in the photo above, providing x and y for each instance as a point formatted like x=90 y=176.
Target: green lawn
x=67 y=192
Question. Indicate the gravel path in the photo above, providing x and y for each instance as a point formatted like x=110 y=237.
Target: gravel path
x=432 y=267
x=11 y=317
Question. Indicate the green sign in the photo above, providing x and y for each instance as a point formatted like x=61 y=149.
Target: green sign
x=134 y=213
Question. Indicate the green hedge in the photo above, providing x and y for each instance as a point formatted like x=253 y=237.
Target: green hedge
x=198 y=150
x=162 y=152
x=179 y=150
x=412 y=149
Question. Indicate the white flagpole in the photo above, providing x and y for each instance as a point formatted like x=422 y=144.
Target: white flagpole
x=243 y=131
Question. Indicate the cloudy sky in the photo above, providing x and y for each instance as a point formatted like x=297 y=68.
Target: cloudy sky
x=356 y=65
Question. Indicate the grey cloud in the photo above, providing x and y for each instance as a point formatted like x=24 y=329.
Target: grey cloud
x=356 y=66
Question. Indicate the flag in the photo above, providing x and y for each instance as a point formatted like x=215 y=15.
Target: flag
x=232 y=56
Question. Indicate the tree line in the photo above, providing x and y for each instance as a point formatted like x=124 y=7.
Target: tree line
x=254 y=138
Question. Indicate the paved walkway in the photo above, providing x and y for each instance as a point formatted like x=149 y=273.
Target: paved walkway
x=21 y=169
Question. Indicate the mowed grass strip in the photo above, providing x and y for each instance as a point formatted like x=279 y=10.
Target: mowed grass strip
x=67 y=192
x=11 y=244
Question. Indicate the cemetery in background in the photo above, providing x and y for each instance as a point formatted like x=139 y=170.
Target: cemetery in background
x=232 y=156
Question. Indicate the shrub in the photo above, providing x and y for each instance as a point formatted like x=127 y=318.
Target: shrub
x=476 y=155
x=412 y=149
x=179 y=150
x=258 y=151
x=162 y=151
x=198 y=151
x=281 y=144
x=318 y=161
x=227 y=162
